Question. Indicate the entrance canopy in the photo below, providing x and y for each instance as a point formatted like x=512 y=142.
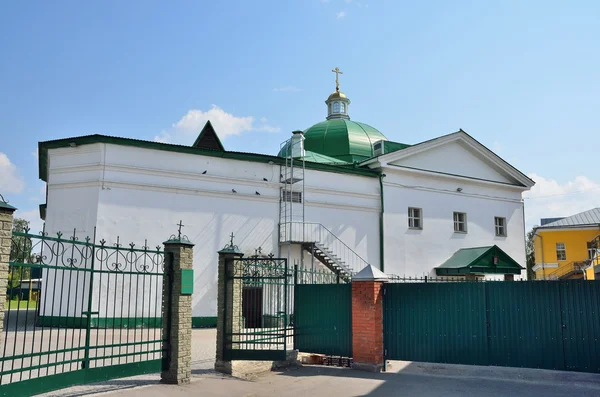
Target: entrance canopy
x=477 y=261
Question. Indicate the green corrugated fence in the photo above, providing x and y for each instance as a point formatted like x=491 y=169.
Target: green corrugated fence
x=549 y=325
x=323 y=319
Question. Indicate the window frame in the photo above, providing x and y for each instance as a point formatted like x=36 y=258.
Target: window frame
x=412 y=218
x=503 y=226
x=458 y=222
x=563 y=250
x=291 y=196
x=336 y=107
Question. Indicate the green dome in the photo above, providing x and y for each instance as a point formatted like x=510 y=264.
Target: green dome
x=341 y=139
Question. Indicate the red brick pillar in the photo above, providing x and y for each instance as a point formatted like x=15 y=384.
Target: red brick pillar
x=367 y=319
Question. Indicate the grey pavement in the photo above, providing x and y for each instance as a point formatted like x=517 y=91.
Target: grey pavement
x=402 y=379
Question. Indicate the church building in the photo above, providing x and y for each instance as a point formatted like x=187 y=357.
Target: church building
x=338 y=195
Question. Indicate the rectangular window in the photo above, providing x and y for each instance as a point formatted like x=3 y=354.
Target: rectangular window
x=415 y=218
x=460 y=222
x=500 y=224
x=591 y=250
x=294 y=197
x=561 y=252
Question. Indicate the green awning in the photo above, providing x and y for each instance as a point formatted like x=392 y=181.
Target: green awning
x=481 y=260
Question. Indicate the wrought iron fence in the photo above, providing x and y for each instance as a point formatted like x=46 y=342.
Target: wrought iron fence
x=98 y=308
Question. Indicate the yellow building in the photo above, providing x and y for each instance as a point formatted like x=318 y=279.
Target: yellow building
x=568 y=248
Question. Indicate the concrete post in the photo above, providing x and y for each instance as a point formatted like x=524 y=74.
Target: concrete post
x=6 y=221
x=177 y=313
x=367 y=319
x=227 y=310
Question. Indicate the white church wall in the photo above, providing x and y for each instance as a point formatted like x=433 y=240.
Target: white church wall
x=417 y=252
x=146 y=192
x=445 y=158
x=71 y=207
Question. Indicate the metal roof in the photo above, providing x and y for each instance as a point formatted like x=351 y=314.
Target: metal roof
x=586 y=218
x=342 y=139
x=479 y=260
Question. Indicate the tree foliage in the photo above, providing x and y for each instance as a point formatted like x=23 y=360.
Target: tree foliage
x=19 y=252
x=530 y=254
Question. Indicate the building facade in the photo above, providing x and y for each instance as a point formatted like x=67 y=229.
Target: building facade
x=567 y=248
x=338 y=195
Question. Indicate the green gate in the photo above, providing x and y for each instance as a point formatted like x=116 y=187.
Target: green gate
x=535 y=324
x=258 y=293
x=97 y=314
x=323 y=319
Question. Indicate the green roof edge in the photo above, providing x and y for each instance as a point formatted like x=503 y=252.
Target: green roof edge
x=242 y=156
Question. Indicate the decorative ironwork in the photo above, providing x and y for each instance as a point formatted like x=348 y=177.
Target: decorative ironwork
x=179 y=236
x=231 y=246
x=58 y=252
x=108 y=297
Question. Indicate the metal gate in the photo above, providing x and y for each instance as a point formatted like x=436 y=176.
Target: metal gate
x=258 y=294
x=530 y=324
x=96 y=313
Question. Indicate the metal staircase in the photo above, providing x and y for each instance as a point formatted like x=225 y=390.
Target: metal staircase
x=314 y=238
x=324 y=246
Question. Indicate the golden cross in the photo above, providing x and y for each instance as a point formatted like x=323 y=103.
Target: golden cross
x=337 y=73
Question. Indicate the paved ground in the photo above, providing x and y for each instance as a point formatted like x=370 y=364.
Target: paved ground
x=405 y=379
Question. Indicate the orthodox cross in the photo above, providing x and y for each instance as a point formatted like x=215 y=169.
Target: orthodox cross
x=232 y=236
x=337 y=73
x=180 y=224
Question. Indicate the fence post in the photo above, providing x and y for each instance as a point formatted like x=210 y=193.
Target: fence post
x=229 y=301
x=367 y=319
x=177 y=313
x=6 y=221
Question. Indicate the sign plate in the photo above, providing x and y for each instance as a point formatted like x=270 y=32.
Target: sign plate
x=187 y=281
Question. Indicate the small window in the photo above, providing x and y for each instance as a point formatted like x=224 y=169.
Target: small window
x=561 y=252
x=460 y=222
x=336 y=107
x=500 y=224
x=294 y=197
x=591 y=250
x=342 y=107
x=415 y=218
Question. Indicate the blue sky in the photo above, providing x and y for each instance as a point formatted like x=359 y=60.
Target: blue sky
x=521 y=77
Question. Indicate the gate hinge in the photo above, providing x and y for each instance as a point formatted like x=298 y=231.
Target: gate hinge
x=385 y=353
x=384 y=289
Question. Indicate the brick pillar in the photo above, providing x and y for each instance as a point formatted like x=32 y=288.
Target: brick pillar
x=227 y=309
x=367 y=319
x=177 y=315
x=6 y=221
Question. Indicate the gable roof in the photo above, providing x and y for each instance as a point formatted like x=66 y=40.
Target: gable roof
x=208 y=139
x=480 y=260
x=463 y=137
x=43 y=148
x=585 y=218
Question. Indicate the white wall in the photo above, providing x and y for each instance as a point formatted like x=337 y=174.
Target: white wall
x=141 y=194
x=417 y=252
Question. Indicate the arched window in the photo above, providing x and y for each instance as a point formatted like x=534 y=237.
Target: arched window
x=336 y=107
x=342 y=107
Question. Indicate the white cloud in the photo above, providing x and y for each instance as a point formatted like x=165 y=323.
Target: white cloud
x=36 y=224
x=10 y=180
x=287 y=89
x=225 y=124
x=548 y=198
x=340 y=14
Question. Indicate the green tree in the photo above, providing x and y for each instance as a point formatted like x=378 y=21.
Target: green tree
x=530 y=254
x=20 y=251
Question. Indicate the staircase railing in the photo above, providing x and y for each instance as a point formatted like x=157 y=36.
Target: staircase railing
x=309 y=232
x=563 y=271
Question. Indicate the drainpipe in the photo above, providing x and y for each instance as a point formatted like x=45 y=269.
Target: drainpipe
x=542 y=242
x=381 y=249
